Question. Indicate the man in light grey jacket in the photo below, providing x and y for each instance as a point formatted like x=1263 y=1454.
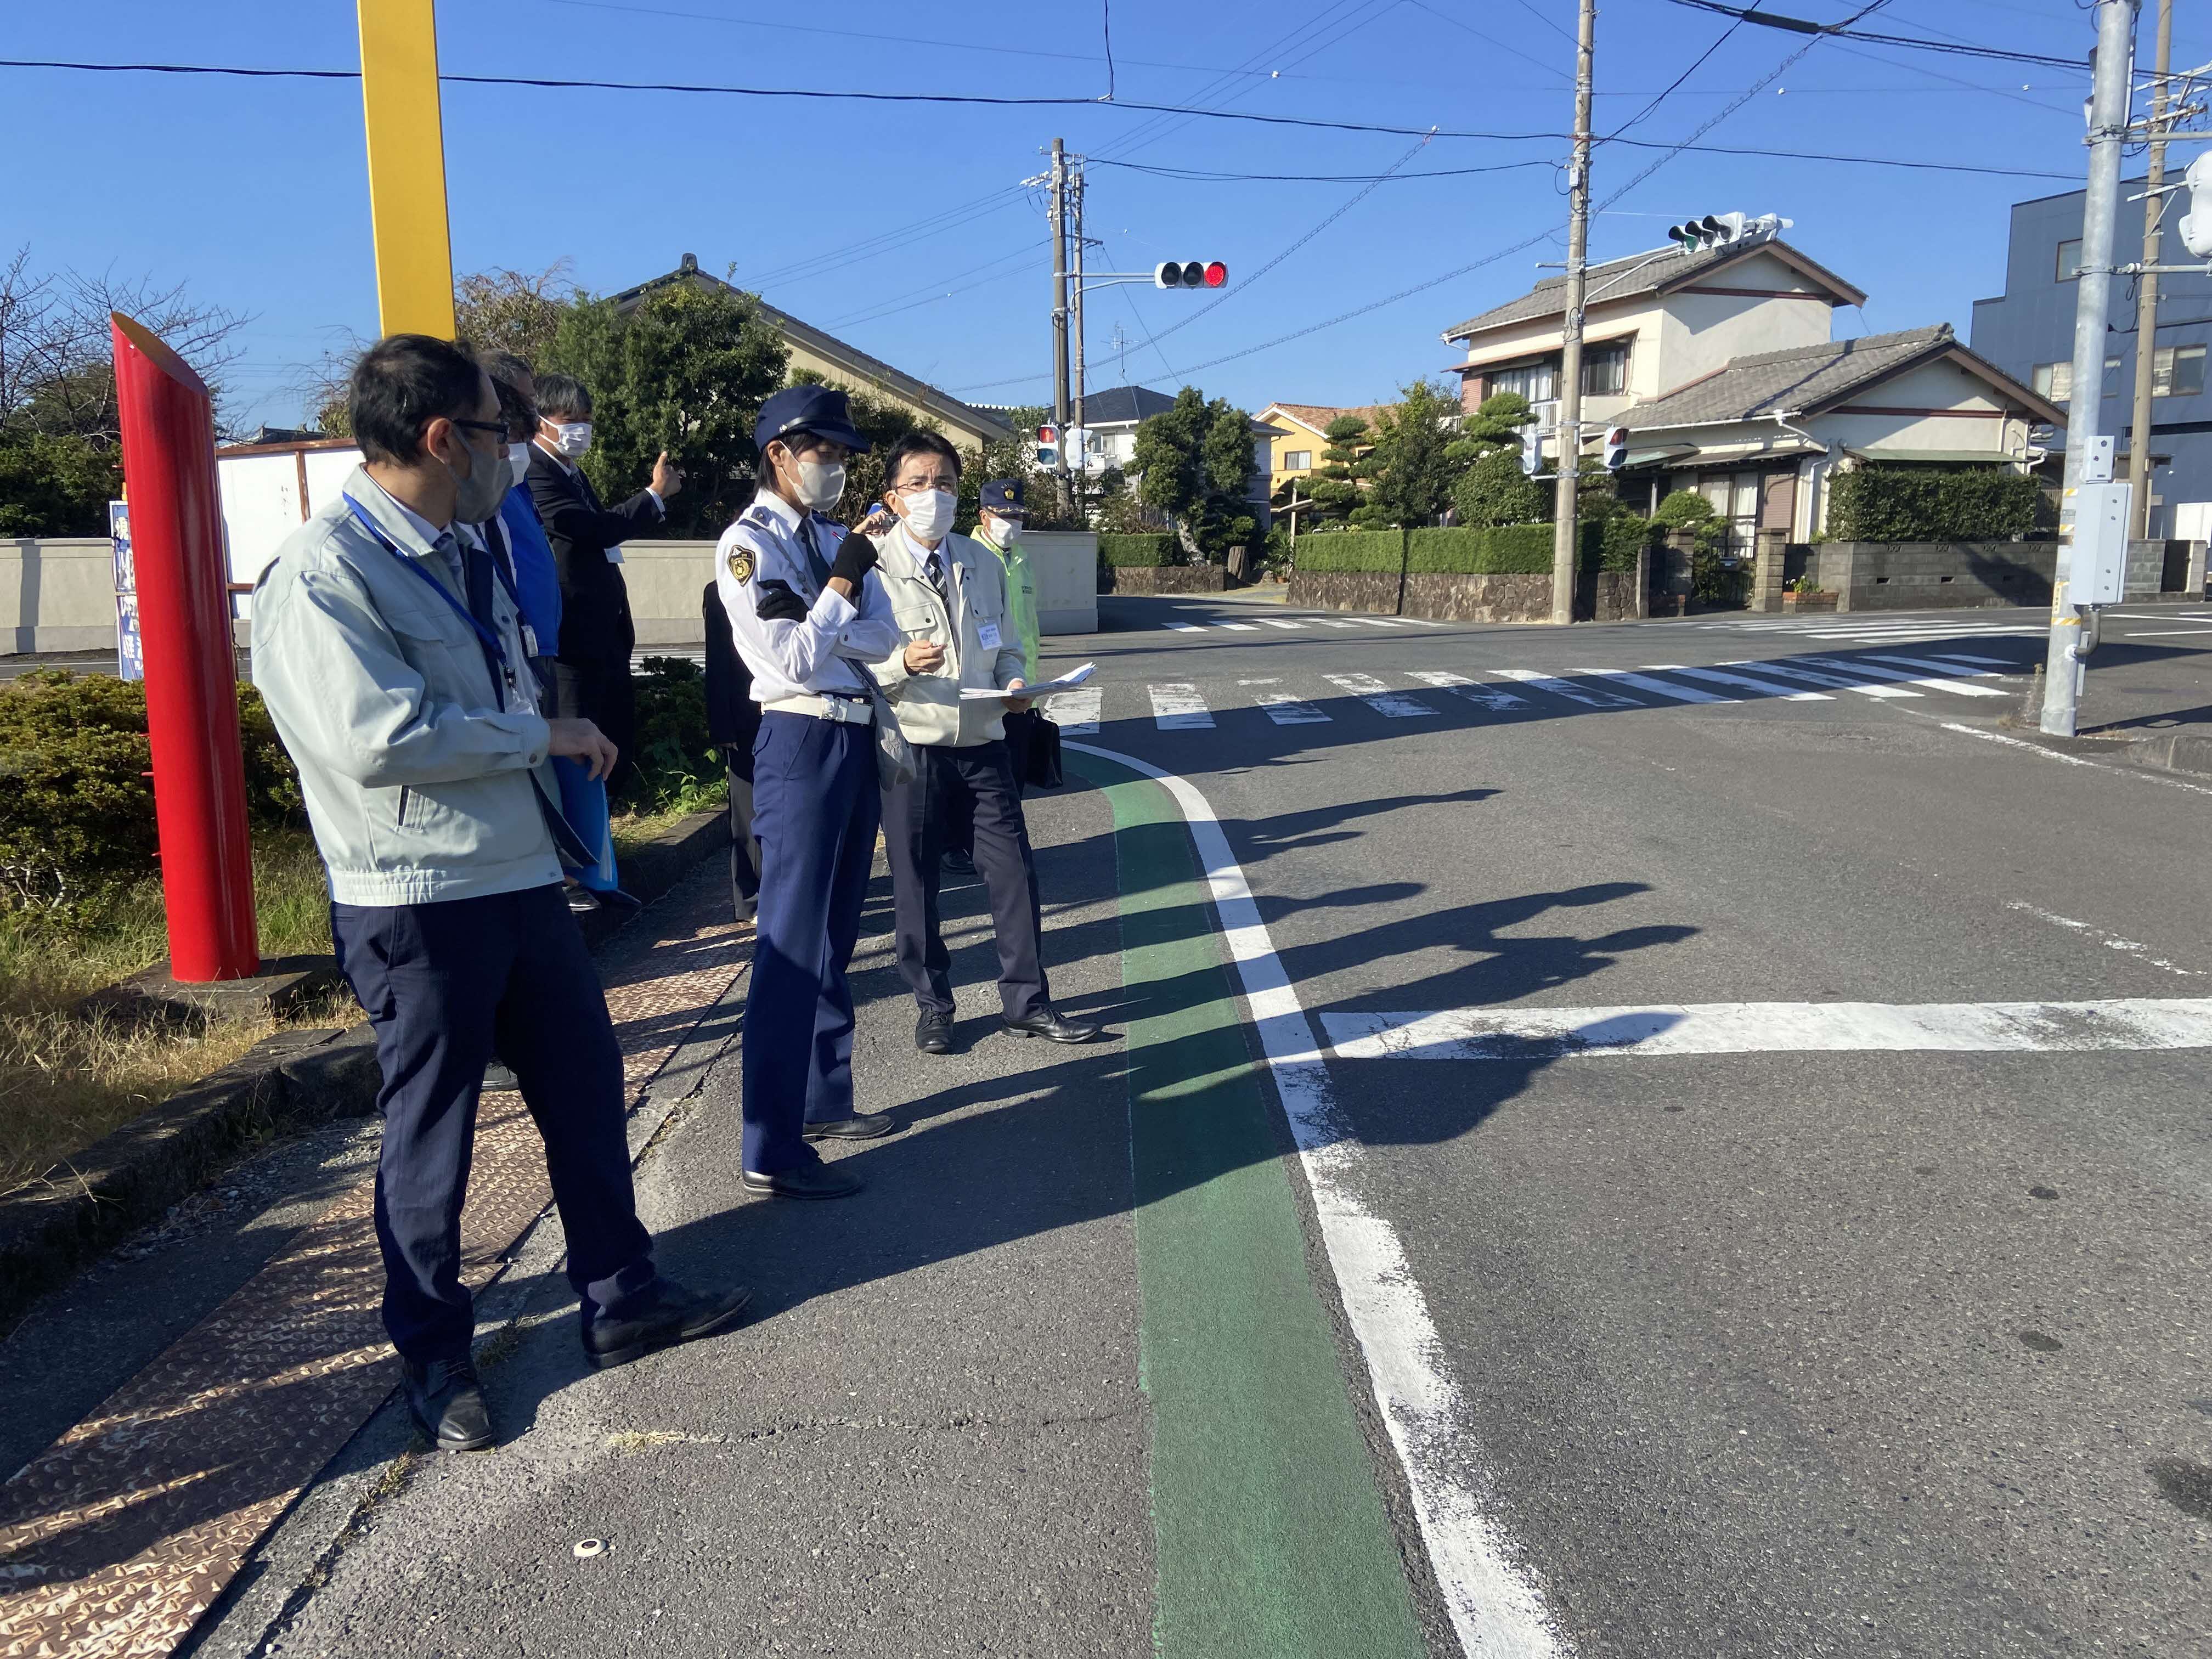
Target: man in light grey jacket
x=390 y=648
x=947 y=592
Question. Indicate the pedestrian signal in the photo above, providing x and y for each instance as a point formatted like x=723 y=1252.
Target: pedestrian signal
x=2197 y=223
x=1048 y=439
x=1616 y=447
x=1194 y=273
x=1532 y=448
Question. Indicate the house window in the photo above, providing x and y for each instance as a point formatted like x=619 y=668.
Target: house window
x=2176 y=372
x=2055 y=380
x=2069 y=260
x=1297 y=460
x=1604 y=369
x=1538 y=382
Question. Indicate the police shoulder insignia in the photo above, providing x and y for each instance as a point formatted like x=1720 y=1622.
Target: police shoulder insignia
x=741 y=563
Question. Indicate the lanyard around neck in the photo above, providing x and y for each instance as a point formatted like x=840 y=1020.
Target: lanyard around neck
x=494 y=647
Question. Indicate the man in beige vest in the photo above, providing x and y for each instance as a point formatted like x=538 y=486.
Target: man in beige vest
x=948 y=597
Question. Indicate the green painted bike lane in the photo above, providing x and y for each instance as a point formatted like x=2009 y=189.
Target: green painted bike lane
x=1270 y=1534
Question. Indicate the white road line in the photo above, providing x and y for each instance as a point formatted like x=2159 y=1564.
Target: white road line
x=1496 y=1608
x=1776 y=1028
x=1285 y=709
x=2163 y=633
x=2169 y=615
x=1336 y=622
x=1238 y=628
x=1932 y=666
x=1405 y=622
x=2110 y=941
x=1077 y=711
x=1588 y=696
x=1658 y=687
x=1277 y=622
x=1833 y=682
x=1185 y=628
x=1490 y=696
x=1178 y=708
x=1862 y=666
x=1376 y=621
x=1764 y=688
x=1379 y=696
x=1993 y=662
x=2142 y=775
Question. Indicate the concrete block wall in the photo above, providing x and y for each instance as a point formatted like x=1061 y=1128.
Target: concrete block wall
x=56 y=595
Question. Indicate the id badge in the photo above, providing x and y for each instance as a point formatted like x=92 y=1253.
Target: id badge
x=987 y=635
x=529 y=641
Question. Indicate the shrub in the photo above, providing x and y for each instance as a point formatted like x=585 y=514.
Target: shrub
x=1621 y=538
x=1126 y=551
x=1686 y=509
x=1715 y=581
x=1495 y=491
x=1375 y=551
x=675 y=760
x=1505 y=550
x=1906 y=503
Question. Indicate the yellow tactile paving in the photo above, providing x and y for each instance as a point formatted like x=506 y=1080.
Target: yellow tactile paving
x=116 y=1539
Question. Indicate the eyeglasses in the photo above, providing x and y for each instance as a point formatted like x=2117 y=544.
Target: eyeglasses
x=499 y=427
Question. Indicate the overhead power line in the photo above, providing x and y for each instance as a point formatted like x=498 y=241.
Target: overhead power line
x=1198 y=175
x=1921 y=42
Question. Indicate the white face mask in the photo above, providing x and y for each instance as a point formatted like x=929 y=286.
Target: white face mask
x=571 y=438
x=821 y=483
x=1004 y=533
x=929 y=513
x=518 y=457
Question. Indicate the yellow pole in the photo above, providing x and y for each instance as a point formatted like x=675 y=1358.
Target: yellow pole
x=406 y=166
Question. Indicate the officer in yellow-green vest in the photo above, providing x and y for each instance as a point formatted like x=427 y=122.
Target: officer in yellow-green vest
x=999 y=527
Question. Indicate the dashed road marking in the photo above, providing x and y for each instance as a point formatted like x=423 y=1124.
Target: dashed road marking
x=1398 y=704
x=1179 y=708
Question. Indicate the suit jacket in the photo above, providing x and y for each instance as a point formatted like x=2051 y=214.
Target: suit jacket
x=595 y=621
x=732 y=716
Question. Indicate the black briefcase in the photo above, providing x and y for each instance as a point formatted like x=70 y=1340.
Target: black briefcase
x=1041 y=768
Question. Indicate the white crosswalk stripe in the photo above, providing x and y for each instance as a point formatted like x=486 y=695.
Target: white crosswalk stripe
x=1185 y=628
x=1833 y=682
x=1743 y=682
x=1285 y=708
x=1238 y=627
x=1076 y=711
x=1874 y=672
x=1992 y=662
x=1280 y=622
x=1179 y=708
x=1933 y=665
x=1379 y=696
x=1490 y=696
x=1658 y=687
x=1588 y=696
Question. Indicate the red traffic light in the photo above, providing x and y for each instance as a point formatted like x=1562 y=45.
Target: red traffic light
x=1216 y=274
x=1047 y=434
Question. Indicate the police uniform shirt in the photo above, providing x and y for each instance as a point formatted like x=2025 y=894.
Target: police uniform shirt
x=797 y=634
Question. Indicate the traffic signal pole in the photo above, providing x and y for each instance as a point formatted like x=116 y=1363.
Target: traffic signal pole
x=2147 y=296
x=1571 y=331
x=2108 y=126
x=1059 y=314
x=1075 y=302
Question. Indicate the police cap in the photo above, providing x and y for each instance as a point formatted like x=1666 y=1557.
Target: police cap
x=816 y=410
x=1002 y=495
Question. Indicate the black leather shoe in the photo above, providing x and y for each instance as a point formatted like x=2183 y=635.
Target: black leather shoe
x=448 y=1402
x=672 y=1314
x=1051 y=1028
x=581 y=901
x=861 y=1126
x=500 y=1076
x=814 y=1179
x=933 y=1032
x=614 y=898
x=959 y=863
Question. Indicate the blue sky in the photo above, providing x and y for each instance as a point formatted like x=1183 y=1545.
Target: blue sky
x=255 y=193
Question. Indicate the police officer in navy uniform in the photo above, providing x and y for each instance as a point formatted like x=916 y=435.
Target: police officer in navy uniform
x=806 y=614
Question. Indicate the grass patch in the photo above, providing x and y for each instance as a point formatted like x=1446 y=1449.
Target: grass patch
x=638 y=828
x=66 y=1081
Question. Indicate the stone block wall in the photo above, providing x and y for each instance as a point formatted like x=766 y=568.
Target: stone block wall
x=1162 y=578
x=1374 y=592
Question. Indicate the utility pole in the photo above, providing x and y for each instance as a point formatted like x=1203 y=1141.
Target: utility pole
x=1059 y=314
x=2147 y=298
x=2108 y=128
x=1571 y=332
x=1075 y=408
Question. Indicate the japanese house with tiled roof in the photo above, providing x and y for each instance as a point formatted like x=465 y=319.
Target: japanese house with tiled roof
x=1721 y=364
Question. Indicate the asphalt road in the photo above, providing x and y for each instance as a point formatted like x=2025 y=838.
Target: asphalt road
x=1759 y=1346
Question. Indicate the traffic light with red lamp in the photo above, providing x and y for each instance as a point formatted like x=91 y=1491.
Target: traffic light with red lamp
x=1192 y=273
x=1048 y=446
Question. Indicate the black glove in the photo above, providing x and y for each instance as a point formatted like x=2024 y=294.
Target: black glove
x=777 y=603
x=856 y=556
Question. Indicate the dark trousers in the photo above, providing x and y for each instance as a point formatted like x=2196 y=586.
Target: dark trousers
x=599 y=689
x=814 y=811
x=745 y=849
x=978 y=783
x=444 y=984
x=959 y=817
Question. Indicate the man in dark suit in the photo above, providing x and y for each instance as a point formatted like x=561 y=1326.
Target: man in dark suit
x=733 y=723
x=592 y=673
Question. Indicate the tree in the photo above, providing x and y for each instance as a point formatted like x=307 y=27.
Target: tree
x=1333 y=486
x=1196 y=462
x=512 y=310
x=1492 y=489
x=1410 y=471
x=60 y=426
x=685 y=371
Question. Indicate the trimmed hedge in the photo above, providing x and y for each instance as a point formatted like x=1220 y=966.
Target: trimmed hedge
x=1382 y=551
x=1119 y=549
x=1892 y=503
x=1507 y=549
